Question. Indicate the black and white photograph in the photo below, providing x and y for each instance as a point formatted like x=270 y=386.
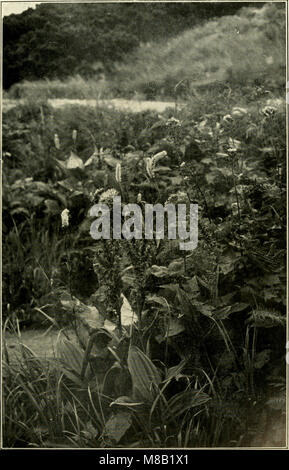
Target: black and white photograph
x=144 y=227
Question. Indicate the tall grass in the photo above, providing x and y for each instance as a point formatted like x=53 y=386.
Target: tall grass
x=48 y=403
x=238 y=49
x=71 y=88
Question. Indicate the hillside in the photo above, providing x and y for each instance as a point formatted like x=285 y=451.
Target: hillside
x=239 y=50
x=56 y=41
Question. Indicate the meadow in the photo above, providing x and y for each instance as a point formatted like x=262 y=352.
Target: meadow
x=181 y=349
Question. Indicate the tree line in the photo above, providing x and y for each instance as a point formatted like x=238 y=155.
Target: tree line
x=60 y=40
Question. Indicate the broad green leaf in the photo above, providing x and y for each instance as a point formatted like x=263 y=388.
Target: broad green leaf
x=158 y=300
x=72 y=357
x=159 y=271
x=222 y=313
x=109 y=326
x=20 y=210
x=117 y=425
x=175 y=327
x=144 y=374
x=239 y=307
x=128 y=317
x=87 y=313
x=74 y=162
x=176 y=267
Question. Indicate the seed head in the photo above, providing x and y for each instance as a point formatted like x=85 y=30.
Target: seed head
x=74 y=135
x=149 y=167
x=118 y=173
x=56 y=141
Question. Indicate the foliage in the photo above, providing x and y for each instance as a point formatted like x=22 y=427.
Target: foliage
x=232 y=51
x=57 y=41
x=186 y=345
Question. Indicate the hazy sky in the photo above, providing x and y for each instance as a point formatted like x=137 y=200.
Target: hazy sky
x=10 y=6
x=16 y=7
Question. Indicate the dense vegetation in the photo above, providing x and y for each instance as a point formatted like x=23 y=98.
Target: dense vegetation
x=246 y=49
x=189 y=348
x=57 y=41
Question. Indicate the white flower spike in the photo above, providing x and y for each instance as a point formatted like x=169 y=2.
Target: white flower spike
x=65 y=218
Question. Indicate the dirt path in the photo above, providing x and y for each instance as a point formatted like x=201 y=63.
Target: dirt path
x=117 y=103
x=41 y=342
